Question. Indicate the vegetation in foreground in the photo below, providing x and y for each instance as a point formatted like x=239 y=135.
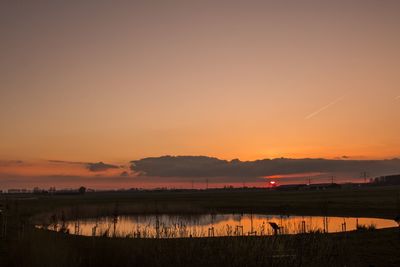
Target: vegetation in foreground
x=26 y=246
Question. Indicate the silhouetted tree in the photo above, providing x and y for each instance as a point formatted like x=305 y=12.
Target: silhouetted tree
x=82 y=190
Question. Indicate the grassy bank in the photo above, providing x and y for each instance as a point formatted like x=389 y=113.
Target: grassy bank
x=371 y=201
x=44 y=248
x=25 y=246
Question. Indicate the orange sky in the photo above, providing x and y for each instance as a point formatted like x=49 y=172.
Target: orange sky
x=99 y=81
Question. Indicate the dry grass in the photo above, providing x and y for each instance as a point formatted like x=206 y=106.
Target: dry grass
x=26 y=246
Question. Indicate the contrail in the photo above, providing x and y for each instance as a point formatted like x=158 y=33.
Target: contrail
x=323 y=108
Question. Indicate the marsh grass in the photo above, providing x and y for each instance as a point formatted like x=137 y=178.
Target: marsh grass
x=27 y=246
x=363 y=227
x=59 y=249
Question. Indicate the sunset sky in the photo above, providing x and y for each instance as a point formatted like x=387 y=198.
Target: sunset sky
x=115 y=81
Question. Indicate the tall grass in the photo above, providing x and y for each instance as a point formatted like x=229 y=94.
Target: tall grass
x=26 y=246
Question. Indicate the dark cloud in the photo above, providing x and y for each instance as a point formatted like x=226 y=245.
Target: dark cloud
x=100 y=166
x=67 y=162
x=124 y=174
x=10 y=162
x=93 y=167
x=201 y=166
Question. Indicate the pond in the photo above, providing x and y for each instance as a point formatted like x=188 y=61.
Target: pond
x=212 y=225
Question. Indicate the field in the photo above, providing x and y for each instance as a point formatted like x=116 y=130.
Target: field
x=26 y=246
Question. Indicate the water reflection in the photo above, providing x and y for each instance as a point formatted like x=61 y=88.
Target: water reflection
x=183 y=226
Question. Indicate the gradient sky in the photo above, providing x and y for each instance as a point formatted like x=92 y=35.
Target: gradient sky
x=121 y=80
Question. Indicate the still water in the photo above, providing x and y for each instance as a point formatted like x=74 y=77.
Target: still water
x=183 y=226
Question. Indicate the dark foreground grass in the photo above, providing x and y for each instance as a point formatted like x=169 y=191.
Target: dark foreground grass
x=26 y=246
x=44 y=248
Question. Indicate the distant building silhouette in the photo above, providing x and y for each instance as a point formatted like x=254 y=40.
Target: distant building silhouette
x=322 y=186
x=387 y=180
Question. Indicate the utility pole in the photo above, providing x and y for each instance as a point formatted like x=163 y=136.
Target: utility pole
x=365 y=177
